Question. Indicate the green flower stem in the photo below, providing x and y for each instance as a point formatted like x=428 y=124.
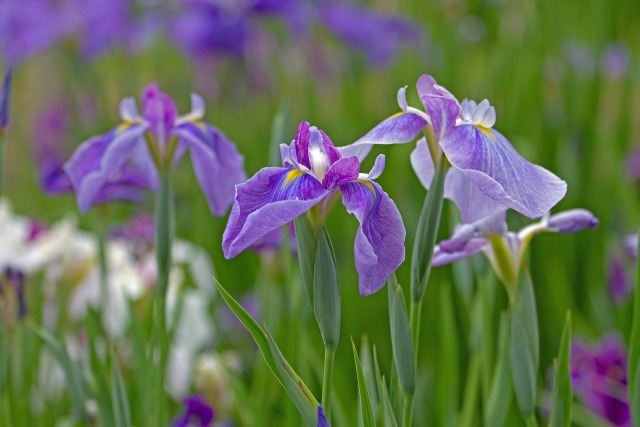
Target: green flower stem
x=469 y=402
x=327 y=379
x=531 y=421
x=164 y=238
x=414 y=318
x=407 y=411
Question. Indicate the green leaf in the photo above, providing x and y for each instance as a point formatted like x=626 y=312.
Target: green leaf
x=499 y=400
x=368 y=419
x=76 y=382
x=387 y=417
x=426 y=234
x=369 y=374
x=4 y=358
x=253 y=327
x=525 y=347
x=402 y=343
x=119 y=398
x=326 y=292
x=298 y=391
x=561 y=392
x=634 y=341
x=307 y=243
x=634 y=402
x=279 y=133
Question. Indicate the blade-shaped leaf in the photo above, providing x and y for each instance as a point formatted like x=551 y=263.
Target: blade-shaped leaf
x=561 y=394
x=426 y=234
x=525 y=347
x=326 y=292
x=119 y=398
x=402 y=343
x=298 y=391
x=4 y=358
x=368 y=419
x=386 y=411
x=500 y=393
x=76 y=382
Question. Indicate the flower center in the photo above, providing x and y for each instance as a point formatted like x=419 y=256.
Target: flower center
x=319 y=162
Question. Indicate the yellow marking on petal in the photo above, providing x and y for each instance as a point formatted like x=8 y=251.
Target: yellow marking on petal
x=368 y=184
x=397 y=114
x=293 y=174
x=200 y=125
x=486 y=130
x=124 y=126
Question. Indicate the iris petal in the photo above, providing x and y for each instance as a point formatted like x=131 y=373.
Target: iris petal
x=268 y=200
x=491 y=163
x=216 y=162
x=379 y=247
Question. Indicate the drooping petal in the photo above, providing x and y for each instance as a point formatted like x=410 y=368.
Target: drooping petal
x=98 y=159
x=322 y=418
x=268 y=200
x=472 y=202
x=397 y=129
x=216 y=162
x=492 y=225
x=442 y=257
x=490 y=162
x=379 y=246
x=344 y=170
x=572 y=221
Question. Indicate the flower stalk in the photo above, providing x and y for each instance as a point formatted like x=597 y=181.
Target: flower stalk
x=164 y=238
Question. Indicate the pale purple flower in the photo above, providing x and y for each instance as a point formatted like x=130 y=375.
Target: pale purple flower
x=599 y=378
x=630 y=242
x=107 y=159
x=197 y=413
x=487 y=176
x=615 y=61
x=487 y=233
x=314 y=175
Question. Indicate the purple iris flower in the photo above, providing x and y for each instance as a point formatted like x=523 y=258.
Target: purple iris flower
x=615 y=61
x=133 y=151
x=322 y=418
x=379 y=36
x=599 y=378
x=314 y=176
x=5 y=97
x=503 y=248
x=197 y=413
x=487 y=175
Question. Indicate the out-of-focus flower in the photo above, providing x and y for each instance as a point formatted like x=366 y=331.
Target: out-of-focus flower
x=378 y=35
x=322 y=418
x=630 y=242
x=581 y=58
x=488 y=175
x=314 y=176
x=633 y=164
x=615 y=61
x=619 y=285
x=212 y=379
x=16 y=281
x=503 y=248
x=197 y=413
x=599 y=378
x=5 y=97
x=157 y=138
x=272 y=241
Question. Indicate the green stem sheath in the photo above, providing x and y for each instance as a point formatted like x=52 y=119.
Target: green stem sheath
x=407 y=411
x=415 y=314
x=164 y=238
x=327 y=379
